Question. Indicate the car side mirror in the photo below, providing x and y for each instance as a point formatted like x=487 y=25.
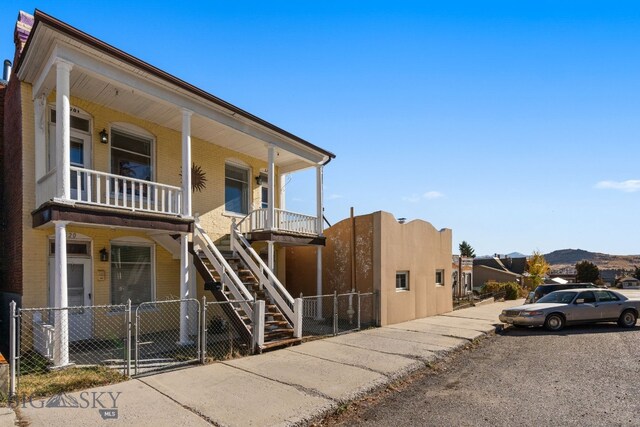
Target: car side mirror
x=579 y=301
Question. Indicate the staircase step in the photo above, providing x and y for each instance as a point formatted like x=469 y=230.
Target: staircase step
x=275 y=315
x=281 y=343
x=276 y=323
x=277 y=331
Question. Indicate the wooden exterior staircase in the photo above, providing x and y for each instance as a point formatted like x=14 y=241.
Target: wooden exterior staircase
x=229 y=278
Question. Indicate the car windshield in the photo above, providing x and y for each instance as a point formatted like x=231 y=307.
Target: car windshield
x=558 y=297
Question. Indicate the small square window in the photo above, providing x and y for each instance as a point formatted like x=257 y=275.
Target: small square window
x=402 y=281
x=439 y=277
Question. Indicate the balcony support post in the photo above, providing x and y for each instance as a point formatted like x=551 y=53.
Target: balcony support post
x=63 y=130
x=319 y=197
x=283 y=200
x=271 y=175
x=39 y=109
x=271 y=255
x=61 y=301
x=185 y=272
x=186 y=163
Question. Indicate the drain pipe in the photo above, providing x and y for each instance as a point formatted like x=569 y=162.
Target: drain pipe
x=6 y=71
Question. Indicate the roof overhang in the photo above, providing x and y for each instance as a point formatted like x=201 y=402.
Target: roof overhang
x=112 y=78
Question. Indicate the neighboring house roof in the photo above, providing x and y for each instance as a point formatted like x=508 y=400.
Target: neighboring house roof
x=628 y=279
x=512 y=265
x=41 y=18
x=499 y=270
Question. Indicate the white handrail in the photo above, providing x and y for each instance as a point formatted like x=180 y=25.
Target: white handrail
x=229 y=278
x=284 y=220
x=267 y=279
x=116 y=191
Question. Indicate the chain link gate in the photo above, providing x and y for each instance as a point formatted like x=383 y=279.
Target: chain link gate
x=334 y=314
x=222 y=336
x=167 y=334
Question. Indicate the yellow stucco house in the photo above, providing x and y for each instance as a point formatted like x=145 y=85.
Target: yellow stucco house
x=98 y=208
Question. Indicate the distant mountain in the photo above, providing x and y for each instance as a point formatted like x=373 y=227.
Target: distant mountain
x=566 y=259
x=516 y=255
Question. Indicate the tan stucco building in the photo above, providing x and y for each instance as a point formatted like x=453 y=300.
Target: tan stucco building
x=408 y=265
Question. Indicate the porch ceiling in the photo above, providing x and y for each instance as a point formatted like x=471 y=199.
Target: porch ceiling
x=141 y=94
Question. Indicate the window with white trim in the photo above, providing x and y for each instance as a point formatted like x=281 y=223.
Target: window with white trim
x=236 y=189
x=439 y=277
x=402 y=281
x=131 y=273
x=131 y=155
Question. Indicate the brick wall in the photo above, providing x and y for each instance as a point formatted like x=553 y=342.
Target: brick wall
x=3 y=261
x=12 y=187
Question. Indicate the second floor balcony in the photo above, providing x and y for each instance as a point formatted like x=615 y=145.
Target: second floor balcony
x=109 y=190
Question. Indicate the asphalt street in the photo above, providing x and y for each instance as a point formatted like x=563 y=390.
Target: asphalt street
x=581 y=376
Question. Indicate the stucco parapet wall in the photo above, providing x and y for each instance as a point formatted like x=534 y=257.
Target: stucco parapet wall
x=389 y=218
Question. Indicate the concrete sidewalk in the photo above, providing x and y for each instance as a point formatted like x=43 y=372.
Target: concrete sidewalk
x=283 y=387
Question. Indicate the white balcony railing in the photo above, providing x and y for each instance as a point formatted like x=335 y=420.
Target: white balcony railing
x=114 y=191
x=291 y=222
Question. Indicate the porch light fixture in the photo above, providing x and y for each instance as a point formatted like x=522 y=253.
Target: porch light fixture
x=259 y=179
x=104 y=255
x=104 y=136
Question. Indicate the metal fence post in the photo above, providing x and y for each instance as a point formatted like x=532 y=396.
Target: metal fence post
x=203 y=331
x=12 y=349
x=128 y=320
x=359 y=305
x=137 y=351
x=335 y=313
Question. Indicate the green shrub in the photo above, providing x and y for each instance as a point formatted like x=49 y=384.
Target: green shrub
x=512 y=289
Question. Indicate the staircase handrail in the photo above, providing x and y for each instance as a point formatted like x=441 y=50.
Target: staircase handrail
x=227 y=275
x=267 y=279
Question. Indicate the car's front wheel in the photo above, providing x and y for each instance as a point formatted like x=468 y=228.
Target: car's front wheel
x=554 y=322
x=628 y=319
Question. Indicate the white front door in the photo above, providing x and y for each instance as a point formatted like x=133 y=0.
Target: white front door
x=78 y=294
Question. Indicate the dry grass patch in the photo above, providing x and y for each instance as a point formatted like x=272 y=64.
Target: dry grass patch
x=67 y=380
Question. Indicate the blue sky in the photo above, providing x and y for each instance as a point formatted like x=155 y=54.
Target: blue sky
x=516 y=124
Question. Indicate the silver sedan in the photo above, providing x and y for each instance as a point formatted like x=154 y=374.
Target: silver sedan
x=575 y=306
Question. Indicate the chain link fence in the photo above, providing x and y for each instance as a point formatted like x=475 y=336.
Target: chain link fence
x=167 y=334
x=333 y=314
x=118 y=341
x=221 y=336
x=94 y=336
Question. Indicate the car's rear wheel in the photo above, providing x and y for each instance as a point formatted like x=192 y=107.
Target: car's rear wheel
x=628 y=319
x=554 y=322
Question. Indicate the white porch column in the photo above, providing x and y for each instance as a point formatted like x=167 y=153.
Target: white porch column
x=319 y=219
x=40 y=140
x=283 y=183
x=319 y=282
x=186 y=163
x=193 y=293
x=185 y=271
x=270 y=255
x=61 y=318
x=271 y=175
x=63 y=130
x=319 y=197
